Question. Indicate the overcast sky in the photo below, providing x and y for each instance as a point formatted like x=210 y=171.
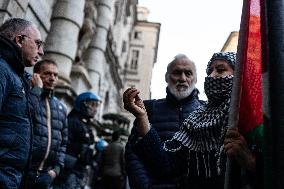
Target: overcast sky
x=197 y=28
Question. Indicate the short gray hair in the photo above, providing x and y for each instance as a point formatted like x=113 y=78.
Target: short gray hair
x=176 y=59
x=14 y=26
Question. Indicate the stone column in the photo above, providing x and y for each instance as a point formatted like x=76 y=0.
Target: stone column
x=12 y=8
x=94 y=55
x=61 y=43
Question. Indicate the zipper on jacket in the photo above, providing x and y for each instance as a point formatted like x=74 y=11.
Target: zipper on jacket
x=48 y=123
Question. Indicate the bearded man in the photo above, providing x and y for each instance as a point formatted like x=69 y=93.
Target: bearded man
x=166 y=116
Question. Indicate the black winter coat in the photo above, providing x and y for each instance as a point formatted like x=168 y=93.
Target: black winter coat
x=166 y=116
x=80 y=138
x=15 y=121
x=170 y=163
x=59 y=131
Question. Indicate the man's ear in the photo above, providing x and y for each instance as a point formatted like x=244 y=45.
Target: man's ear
x=167 y=78
x=195 y=79
x=19 y=40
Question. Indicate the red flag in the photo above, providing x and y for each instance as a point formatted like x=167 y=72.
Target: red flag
x=251 y=110
x=247 y=107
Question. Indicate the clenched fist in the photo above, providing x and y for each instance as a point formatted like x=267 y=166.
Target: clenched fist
x=236 y=147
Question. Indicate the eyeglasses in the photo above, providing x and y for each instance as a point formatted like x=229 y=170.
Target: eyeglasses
x=38 y=42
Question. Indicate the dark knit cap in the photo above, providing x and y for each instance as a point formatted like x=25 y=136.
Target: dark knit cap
x=230 y=57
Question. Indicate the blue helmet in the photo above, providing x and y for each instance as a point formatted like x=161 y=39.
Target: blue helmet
x=101 y=144
x=85 y=97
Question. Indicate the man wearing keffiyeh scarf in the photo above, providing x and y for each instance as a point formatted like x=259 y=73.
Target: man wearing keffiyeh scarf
x=197 y=149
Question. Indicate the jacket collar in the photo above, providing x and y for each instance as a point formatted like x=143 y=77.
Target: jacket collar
x=12 y=54
x=47 y=93
x=79 y=115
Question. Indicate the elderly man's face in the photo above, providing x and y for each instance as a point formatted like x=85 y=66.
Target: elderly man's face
x=181 y=79
x=32 y=46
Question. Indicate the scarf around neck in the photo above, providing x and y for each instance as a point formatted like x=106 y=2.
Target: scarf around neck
x=204 y=129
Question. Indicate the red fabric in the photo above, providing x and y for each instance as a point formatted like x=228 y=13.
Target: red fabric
x=250 y=112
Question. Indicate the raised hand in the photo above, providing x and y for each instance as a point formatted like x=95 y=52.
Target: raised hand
x=134 y=104
x=36 y=80
x=236 y=146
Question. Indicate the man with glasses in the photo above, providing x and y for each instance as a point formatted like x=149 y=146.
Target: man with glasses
x=39 y=43
x=81 y=139
x=16 y=53
x=50 y=132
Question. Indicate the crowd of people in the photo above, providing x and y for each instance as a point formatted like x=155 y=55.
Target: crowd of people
x=194 y=155
x=177 y=142
x=41 y=145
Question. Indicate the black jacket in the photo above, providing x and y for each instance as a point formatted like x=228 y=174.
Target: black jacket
x=80 y=138
x=166 y=116
x=15 y=122
x=59 y=131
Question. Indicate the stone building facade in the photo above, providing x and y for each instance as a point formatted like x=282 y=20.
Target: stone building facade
x=231 y=43
x=143 y=55
x=90 y=40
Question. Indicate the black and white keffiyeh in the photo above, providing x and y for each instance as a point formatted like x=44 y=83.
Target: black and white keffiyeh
x=204 y=129
x=229 y=57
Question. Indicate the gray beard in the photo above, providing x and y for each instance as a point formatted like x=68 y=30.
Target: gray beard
x=179 y=95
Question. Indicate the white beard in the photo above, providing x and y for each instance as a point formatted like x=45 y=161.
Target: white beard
x=179 y=95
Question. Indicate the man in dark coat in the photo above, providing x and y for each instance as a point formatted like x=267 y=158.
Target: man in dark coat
x=49 y=129
x=81 y=140
x=20 y=47
x=166 y=116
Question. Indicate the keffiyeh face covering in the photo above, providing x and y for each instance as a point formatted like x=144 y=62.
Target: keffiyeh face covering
x=218 y=88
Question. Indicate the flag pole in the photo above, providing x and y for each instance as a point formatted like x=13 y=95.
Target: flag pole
x=235 y=97
x=275 y=31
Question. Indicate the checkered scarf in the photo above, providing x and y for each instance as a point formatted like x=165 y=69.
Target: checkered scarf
x=204 y=129
x=229 y=57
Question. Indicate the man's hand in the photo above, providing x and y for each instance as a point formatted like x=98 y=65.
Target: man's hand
x=36 y=81
x=52 y=173
x=134 y=104
x=236 y=146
